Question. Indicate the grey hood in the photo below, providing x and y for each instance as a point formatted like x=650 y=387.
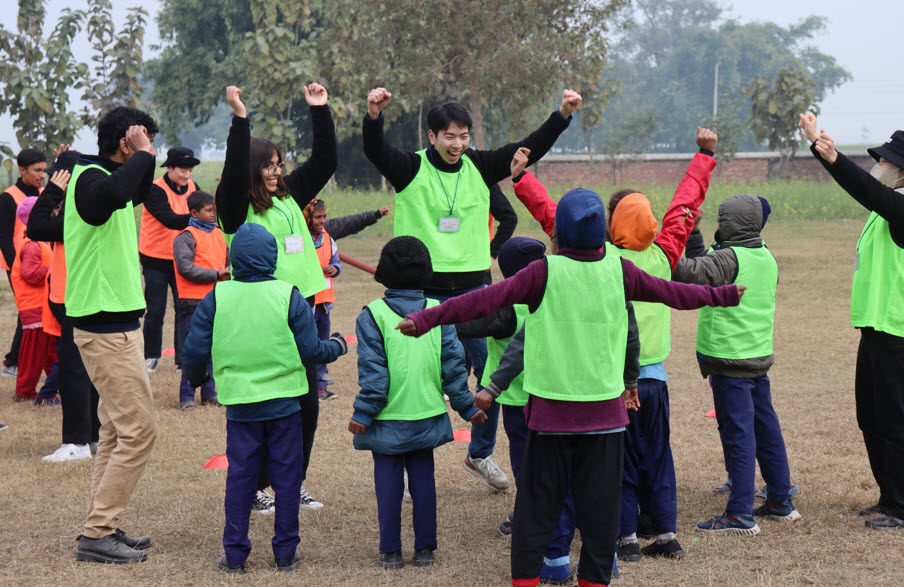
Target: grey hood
x=740 y=221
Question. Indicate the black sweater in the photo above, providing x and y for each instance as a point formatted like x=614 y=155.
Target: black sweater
x=8 y=220
x=867 y=190
x=400 y=167
x=304 y=183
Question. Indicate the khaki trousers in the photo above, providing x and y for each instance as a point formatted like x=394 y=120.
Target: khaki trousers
x=115 y=364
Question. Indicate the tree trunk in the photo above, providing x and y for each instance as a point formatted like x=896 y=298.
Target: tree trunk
x=476 y=109
x=590 y=159
x=420 y=128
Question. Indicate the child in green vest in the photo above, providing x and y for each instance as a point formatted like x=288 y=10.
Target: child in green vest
x=257 y=363
x=734 y=349
x=400 y=414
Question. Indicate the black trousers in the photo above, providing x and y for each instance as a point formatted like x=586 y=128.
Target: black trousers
x=879 y=395
x=156 y=282
x=77 y=394
x=12 y=357
x=591 y=464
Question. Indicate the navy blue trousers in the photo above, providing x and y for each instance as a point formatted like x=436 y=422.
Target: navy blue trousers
x=278 y=443
x=751 y=434
x=389 y=483
x=186 y=391
x=649 y=476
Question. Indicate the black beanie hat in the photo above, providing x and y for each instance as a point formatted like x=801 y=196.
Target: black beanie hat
x=404 y=264
x=519 y=252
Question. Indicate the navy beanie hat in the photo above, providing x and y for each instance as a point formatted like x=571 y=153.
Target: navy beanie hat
x=767 y=210
x=519 y=252
x=404 y=264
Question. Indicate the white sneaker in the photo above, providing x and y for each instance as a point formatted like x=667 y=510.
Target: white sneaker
x=68 y=452
x=263 y=503
x=487 y=471
x=151 y=365
x=309 y=502
x=10 y=371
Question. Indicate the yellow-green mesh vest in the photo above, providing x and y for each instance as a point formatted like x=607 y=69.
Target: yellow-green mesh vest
x=254 y=354
x=744 y=331
x=301 y=269
x=877 y=292
x=653 y=320
x=102 y=269
x=423 y=202
x=515 y=394
x=415 y=368
x=574 y=343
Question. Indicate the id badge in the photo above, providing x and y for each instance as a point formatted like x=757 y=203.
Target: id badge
x=449 y=224
x=294 y=244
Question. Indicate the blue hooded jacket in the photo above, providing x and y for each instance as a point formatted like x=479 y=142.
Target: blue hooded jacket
x=253 y=255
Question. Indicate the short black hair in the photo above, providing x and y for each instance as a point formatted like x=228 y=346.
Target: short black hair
x=114 y=124
x=28 y=157
x=440 y=117
x=198 y=199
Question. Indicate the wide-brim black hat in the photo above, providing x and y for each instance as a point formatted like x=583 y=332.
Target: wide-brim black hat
x=892 y=150
x=404 y=264
x=180 y=157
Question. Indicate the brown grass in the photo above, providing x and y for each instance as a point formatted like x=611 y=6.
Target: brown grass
x=180 y=505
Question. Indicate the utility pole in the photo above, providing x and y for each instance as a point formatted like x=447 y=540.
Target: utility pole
x=716 y=93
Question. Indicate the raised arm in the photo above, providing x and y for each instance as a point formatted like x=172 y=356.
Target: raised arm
x=306 y=181
x=43 y=224
x=235 y=181
x=397 y=166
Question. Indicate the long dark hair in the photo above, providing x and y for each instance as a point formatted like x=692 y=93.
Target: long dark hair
x=262 y=151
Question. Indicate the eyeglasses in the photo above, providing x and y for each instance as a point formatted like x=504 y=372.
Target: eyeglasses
x=272 y=168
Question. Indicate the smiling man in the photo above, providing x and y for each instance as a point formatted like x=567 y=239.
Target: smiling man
x=32 y=166
x=443 y=199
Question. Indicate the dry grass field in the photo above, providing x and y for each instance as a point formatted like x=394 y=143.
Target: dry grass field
x=179 y=504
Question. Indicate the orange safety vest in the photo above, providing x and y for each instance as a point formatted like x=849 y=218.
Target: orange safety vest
x=58 y=270
x=29 y=297
x=19 y=230
x=210 y=253
x=324 y=254
x=155 y=239
x=49 y=323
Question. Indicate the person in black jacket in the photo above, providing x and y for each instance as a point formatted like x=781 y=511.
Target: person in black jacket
x=877 y=310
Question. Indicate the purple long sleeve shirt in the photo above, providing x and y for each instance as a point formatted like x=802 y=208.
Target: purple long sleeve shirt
x=528 y=287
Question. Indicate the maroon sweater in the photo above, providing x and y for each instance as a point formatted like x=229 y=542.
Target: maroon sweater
x=528 y=287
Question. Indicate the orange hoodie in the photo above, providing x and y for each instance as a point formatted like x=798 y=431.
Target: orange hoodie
x=633 y=225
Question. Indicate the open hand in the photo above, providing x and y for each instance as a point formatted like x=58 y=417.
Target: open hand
x=519 y=161
x=825 y=146
x=483 y=400
x=408 y=327
x=377 y=100
x=632 y=400
x=62 y=149
x=478 y=418
x=137 y=140
x=356 y=427
x=234 y=99
x=571 y=101
x=808 y=125
x=315 y=94
x=707 y=139
x=60 y=179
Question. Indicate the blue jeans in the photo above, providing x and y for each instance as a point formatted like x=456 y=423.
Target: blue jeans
x=750 y=434
x=483 y=436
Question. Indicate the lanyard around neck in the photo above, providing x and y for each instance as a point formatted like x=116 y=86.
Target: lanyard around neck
x=439 y=177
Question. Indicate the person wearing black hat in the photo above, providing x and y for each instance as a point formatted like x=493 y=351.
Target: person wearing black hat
x=32 y=166
x=877 y=309
x=400 y=415
x=165 y=215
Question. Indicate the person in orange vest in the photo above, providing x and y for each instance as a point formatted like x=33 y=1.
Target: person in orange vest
x=32 y=166
x=165 y=215
x=38 y=350
x=328 y=254
x=201 y=259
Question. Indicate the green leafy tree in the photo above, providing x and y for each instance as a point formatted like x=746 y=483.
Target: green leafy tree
x=729 y=123
x=776 y=105
x=632 y=137
x=39 y=75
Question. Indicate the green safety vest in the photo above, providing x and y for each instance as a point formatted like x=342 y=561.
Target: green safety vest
x=515 y=394
x=877 y=292
x=102 y=269
x=301 y=269
x=254 y=354
x=653 y=320
x=415 y=368
x=744 y=331
x=574 y=343
x=429 y=197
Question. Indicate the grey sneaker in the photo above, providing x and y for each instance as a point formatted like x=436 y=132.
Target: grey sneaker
x=887 y=522
x=10 y=371
x=263 y=504
x=309 y=502
x=487 y=471
x=151 y=365
x=109 y=549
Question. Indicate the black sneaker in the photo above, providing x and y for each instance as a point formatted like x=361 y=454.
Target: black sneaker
x=139 y=543
x=391 y=560
x=873 y=510
x=109 y=549
x=780 y=512
x=887 y=522
x=424 y=557
x=325 y=395
x=224 y=566
x=669 y=549
x=288 y=564
x=629 y=551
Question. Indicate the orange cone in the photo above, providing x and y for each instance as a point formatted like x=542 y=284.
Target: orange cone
x=462 y=436
x=217 y=462
x=711 y=413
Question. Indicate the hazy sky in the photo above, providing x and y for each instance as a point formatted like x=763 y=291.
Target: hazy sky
x=863 y=37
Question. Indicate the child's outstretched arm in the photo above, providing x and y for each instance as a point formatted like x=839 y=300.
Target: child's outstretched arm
x=717 y=268
x=511 y=364
x=643 y=287
x=533 y=194
x=310 y=347
x=373 y=373
x=344 y=226
x=455 y=376
x=689 y=195
x=196 y=350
